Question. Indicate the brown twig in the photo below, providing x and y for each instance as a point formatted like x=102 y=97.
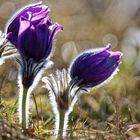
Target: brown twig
x=36 y=112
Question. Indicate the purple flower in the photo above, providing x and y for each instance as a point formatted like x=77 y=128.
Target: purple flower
x=92 y=68
x=32 y=32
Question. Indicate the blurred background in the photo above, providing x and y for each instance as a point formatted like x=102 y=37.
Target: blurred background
x=88 y=24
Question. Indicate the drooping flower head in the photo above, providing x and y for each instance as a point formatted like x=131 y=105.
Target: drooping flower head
x=94 y=67
x=32 y=31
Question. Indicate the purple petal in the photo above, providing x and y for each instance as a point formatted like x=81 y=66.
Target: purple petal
x=27 y=39
x=55 y=29
x=42 y=32
x=33 y=41
x=13 y=25
x=86 y=59
x=12 y=38
x=24 y=25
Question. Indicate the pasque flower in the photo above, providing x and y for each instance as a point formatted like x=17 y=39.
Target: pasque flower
x=32 y=32
x=92 y=68
x=88 y=70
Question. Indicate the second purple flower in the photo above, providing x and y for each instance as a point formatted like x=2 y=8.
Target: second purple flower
x=94 y=67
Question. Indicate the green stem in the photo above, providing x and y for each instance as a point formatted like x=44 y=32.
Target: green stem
x=61 y=125
x=24 y=122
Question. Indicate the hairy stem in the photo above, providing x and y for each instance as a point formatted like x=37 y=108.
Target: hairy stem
x=61 y=125
x=24 y=121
